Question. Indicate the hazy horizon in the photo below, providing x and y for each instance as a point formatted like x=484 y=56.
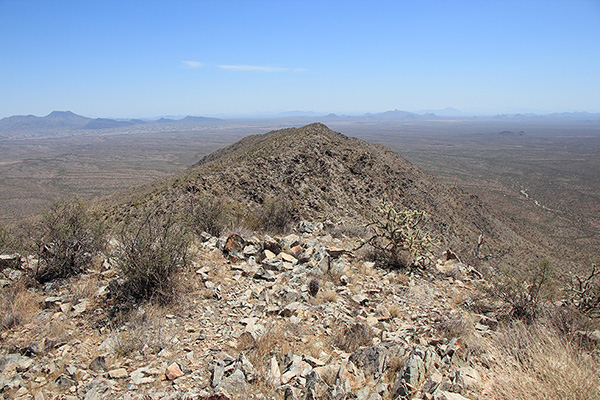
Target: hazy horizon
x=147 y=59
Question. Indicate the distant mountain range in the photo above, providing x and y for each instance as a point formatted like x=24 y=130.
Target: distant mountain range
x=64 y=123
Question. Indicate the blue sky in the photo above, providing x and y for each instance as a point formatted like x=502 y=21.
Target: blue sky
x=151 y=58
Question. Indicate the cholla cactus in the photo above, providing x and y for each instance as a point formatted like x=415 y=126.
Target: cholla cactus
x=397 y=233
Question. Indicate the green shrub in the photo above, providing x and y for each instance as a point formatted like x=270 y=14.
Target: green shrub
x=152 y=250
x=398 y=238
x=69 y=237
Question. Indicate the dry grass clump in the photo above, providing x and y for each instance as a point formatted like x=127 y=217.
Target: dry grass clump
x=141 y=331
x=259 y=351
x=536 y=362
x=456 y=326
x=350 y=338
x=17 y=306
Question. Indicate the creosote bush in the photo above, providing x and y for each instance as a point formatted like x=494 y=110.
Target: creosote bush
x=69 y=238
x=207 y=215
x=153 y=248
x=584 y=292
x=276 y=214
x=398 y=238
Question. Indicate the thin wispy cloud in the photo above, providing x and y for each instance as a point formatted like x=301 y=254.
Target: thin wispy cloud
x=256 y=68
x=193 y=64
x=241 y=67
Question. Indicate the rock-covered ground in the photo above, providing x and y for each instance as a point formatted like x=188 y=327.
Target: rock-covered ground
x=302 y=316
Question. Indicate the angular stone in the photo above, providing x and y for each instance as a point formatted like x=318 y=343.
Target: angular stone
x=360 y=298
x=10 y=261
x=250 y=250
x=265 y=274
x=173 y=372
x=118 y=373
x=234 y=244
x=274 y=373
x=382 y=313
x=468 y=378
x=373 y=360
x=306 y=227
x=443 y=395
x=291 y=309
x=234 y=383
x=287 y=258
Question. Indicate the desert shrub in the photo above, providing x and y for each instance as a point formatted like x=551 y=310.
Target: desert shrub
x=152 y=250
x=207 y=214
x=398 y=238
x=6 y=242
x=69 y=237
x=523 y=293
x=276 y=214
x=584 y=292
x=351 y=337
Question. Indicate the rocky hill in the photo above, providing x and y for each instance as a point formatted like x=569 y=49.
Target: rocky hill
x=298 y=315
x=331 y=177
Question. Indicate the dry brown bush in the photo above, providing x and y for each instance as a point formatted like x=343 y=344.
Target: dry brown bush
x=69 y=237
x=153 y=248
x=17 y=306
x=536 y=362
x=350 y=338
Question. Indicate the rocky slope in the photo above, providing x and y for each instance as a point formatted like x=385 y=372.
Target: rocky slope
x=291 y=317
x=329 y=176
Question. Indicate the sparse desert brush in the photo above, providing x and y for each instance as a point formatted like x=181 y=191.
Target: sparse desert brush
x=350 y=338
x=207 y=214
x=140 y=330
x=6 y=243
x=84 y=288
x=524 y=293
x=276 y=214
x=153 y=248
x=398 y=236
x=69 y=237
x=536 y=362
x=17 y=306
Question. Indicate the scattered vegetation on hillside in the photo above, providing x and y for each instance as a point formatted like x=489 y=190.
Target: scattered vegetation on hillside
x=152 y=249
x=275 y=214
x=398 y=236
x=207 y=215
x=69 y=236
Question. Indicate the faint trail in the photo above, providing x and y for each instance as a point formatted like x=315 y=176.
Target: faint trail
x=537 y=203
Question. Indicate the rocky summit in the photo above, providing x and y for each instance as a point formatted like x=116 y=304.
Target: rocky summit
x=328 y=176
